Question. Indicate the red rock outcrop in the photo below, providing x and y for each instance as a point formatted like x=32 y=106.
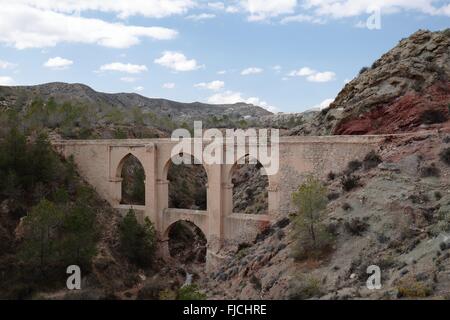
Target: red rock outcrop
x=411 y=112
x=395 y=94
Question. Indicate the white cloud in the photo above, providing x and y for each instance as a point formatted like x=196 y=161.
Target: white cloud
x=201 y=16
x=305 y=71
x=221 y=6
x=313 y=75
x=252 y=70
x=58 y=63
x=23 y=26
x=7 y=65
x=351 y=8
x=302 y=18
x=227 y=97
x=177 y=61
x=138 y=89
x=124 y=67
x=222 y=72
x=322 y=77
x=128 y=79
x=168 y=85
x=263 y=9
x=6 y=81
x=231 y=97
x=123 y=8
x=213 y=85
x=216 y=5
x=232 y=9
x=323 y=105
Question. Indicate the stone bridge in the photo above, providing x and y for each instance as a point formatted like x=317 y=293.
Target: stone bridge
x=100 y=163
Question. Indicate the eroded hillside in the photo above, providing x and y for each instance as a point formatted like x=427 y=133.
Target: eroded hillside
x=407 y=89
x=397 y=216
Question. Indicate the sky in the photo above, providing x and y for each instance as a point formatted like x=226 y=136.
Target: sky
x=283 y=55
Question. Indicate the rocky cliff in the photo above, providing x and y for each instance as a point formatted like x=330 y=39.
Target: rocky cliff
x=407 y=89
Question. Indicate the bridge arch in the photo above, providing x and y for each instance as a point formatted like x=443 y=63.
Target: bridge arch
x=186 y=155
x=259 y=205
x=188 y=183
x=131 y=174
x=186 y=241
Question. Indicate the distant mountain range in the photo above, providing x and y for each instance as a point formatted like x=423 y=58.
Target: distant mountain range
x=83 y=94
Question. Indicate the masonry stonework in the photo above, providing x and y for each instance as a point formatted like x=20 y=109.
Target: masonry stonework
x=100 y=162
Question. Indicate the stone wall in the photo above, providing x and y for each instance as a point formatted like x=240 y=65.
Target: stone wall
x=99 y=163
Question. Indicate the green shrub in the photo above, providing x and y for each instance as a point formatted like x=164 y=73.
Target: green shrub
x=446 y=32
x=55 y=237
x=333 y=196
x=447 y=137
x=256 y=282
x=305 y=287
x=411 y=288
x=363 y=69
x=353 y=166
x=349 y=182
x=40 y=245
x=331 y=176
x=79 y=234
x=371 y=160
x=356 y=226
x=445 y=156
x=120 y=134
x=168 y=294
x=312 y=237
x=430 y=171
x=346 y=206
x=60 y=196
x=433 y=116
x=137 y=242
x=443 y=221
x=190 y=292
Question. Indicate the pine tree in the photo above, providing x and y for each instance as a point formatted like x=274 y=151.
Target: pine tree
x=40 y=245
x=309 y=232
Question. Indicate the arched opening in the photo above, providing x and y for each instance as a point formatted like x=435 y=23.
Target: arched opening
x=250 y=187
x=187 y=185
x=133 y=181
x=187 y=243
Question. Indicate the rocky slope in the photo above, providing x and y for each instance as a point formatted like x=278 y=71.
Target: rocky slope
x=407 y=89
x=398 y=218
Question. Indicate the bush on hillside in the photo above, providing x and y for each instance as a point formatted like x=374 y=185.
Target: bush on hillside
x=312 y=237
x=430 y=171
x=363 y=69
x=137 y=242
x=445 y=156
x=353 y=166
x=305 y=287
x=371 y=160
x=58 y=228
x=433 y=116
x=190 y=292
x=349 y=182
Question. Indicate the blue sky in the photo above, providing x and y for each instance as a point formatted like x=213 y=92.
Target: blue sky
x=284 y=55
